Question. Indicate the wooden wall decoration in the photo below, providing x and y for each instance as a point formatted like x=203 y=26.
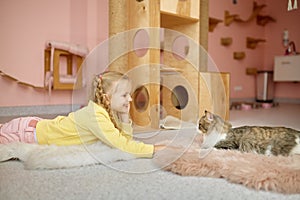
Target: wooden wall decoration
x=229 y=18
x=261 y=20
x=251 y=43
x=239 y=55
x=226 y=41
x=213 y=22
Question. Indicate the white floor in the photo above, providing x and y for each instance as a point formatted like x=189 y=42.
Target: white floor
x=287 y=115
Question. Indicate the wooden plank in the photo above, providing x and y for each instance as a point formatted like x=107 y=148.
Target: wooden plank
x=214 y=93
x=182 y=103
x=181 y=7
x=154 y=57
x=203 y=34
x=169 y=20
x=145 y=14
x=184 y=7
x=118 y=23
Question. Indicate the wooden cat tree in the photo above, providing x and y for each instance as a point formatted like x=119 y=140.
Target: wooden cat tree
x=181 y=86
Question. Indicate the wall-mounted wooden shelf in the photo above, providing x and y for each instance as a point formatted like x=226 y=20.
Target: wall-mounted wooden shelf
x=262 y=20
x=251 y=43
x=168 y=19
x=213 y=22
x=239 y=55
x=256 y=10
x=226 y=41
x=251 y=71
x=229 y=18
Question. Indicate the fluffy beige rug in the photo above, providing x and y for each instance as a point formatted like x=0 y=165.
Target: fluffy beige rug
x=279 y=174
x=36 y=156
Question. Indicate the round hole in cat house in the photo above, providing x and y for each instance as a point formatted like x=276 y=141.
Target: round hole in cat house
x=141 y=98
x=180 y=47
x=141 y=42
x=179 y=97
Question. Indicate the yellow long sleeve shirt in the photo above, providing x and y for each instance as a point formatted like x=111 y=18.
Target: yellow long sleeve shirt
x=88 y=125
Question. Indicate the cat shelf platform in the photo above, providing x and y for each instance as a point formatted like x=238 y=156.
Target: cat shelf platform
x=62 y=65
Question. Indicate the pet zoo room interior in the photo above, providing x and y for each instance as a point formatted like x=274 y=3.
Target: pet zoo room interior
x=209 y=107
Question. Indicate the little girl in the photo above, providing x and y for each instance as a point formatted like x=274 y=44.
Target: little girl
x=105 y=118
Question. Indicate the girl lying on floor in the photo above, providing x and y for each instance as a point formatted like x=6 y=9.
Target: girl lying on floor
x=105 y=119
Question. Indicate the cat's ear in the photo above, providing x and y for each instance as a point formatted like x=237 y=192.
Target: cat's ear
x=209 y=115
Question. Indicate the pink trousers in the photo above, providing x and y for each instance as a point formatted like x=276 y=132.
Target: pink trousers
x=18 y=130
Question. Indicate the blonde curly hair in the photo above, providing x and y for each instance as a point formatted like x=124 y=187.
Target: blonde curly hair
x=102 y=84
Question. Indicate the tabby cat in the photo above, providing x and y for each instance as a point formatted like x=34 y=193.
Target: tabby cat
x=257 y=139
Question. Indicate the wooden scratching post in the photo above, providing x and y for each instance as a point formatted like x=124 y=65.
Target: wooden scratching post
x=166 y=42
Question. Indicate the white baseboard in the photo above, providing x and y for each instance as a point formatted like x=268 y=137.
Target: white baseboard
x=278 y=100
x=286 y=100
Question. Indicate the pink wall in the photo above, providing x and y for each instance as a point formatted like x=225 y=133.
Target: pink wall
x=262 y=56
x=285 y=20
x=26 y=26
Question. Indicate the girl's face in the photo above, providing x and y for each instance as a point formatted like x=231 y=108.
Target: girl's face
x=120 y=98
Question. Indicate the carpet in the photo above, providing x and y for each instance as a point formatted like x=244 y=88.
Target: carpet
x=127 y=179
x=260 y=172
